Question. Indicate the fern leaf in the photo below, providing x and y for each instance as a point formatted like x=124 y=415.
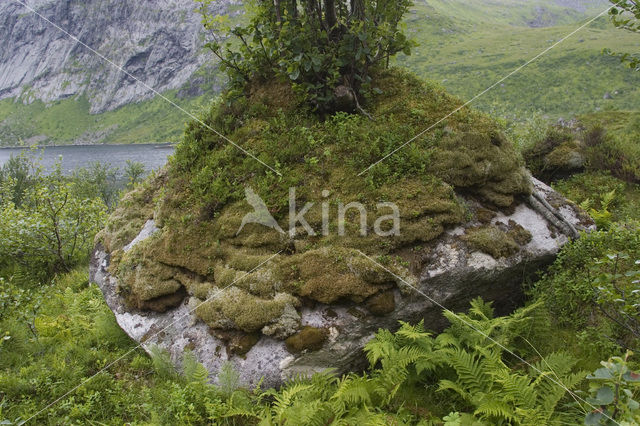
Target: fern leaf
x=494 y=408
x=193 y=371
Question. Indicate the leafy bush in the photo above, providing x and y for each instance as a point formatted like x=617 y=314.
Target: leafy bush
x=52 y=228
x=591 y=286
x=614 y=390
x=324 y=49
x=134 y=171
x=16 y=176
x=626 y=15
x=100 y=179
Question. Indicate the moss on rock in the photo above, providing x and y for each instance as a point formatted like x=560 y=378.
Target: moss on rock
x=284 y=326
x=324 y=275
x=308 y=339
x=491 y=240
x=484 y=161
x=519 y=234
x=381 y=304
x=247 y=312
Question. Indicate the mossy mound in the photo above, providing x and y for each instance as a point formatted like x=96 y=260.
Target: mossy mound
x=499 y=240
x=605 y=141
x=198 y=203
x=308 y=339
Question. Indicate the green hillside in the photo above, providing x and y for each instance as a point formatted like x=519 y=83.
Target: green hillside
x=464 y=46
x=467 y=49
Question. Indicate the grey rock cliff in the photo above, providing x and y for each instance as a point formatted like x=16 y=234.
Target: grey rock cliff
x=156 y=41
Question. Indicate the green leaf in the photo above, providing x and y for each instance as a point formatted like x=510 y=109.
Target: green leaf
x=605 y=395
x=593 y=418
x=600 y=374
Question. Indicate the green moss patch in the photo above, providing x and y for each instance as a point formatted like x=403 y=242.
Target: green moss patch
x=308 y=339
x=518 y=233
x=491 y=240
x=243 y=310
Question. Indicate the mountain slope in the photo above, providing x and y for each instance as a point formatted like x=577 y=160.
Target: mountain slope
x=468 y=46
x=156 y=42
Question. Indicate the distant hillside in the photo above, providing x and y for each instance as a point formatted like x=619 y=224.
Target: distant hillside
x=531 y=13
x=55 y=88
x=468 y=46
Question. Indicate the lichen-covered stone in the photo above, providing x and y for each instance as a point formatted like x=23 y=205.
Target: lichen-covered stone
x=285 y=325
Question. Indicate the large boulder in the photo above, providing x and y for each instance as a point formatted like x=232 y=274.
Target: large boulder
x=489 y=256
x=185 y=265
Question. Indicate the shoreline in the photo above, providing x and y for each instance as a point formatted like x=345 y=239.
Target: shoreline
x=160 y=145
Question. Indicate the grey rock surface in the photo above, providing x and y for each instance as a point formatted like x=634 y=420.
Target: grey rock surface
x=156 y=41
x=453 y=275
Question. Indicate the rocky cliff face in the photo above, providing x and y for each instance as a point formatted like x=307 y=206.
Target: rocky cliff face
x=156 y=41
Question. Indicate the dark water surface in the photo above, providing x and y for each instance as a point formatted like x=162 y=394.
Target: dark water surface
x=116 y=156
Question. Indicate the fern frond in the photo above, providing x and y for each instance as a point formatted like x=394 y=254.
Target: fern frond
x=447 y=339
x=354 y=390
x=162 y=363
x=412 y=333
x=518 y=389
x=380 y=346
x=494 y=408
x=469 y=369
x=193 y=371
x=455 y=387
x=480 y=309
